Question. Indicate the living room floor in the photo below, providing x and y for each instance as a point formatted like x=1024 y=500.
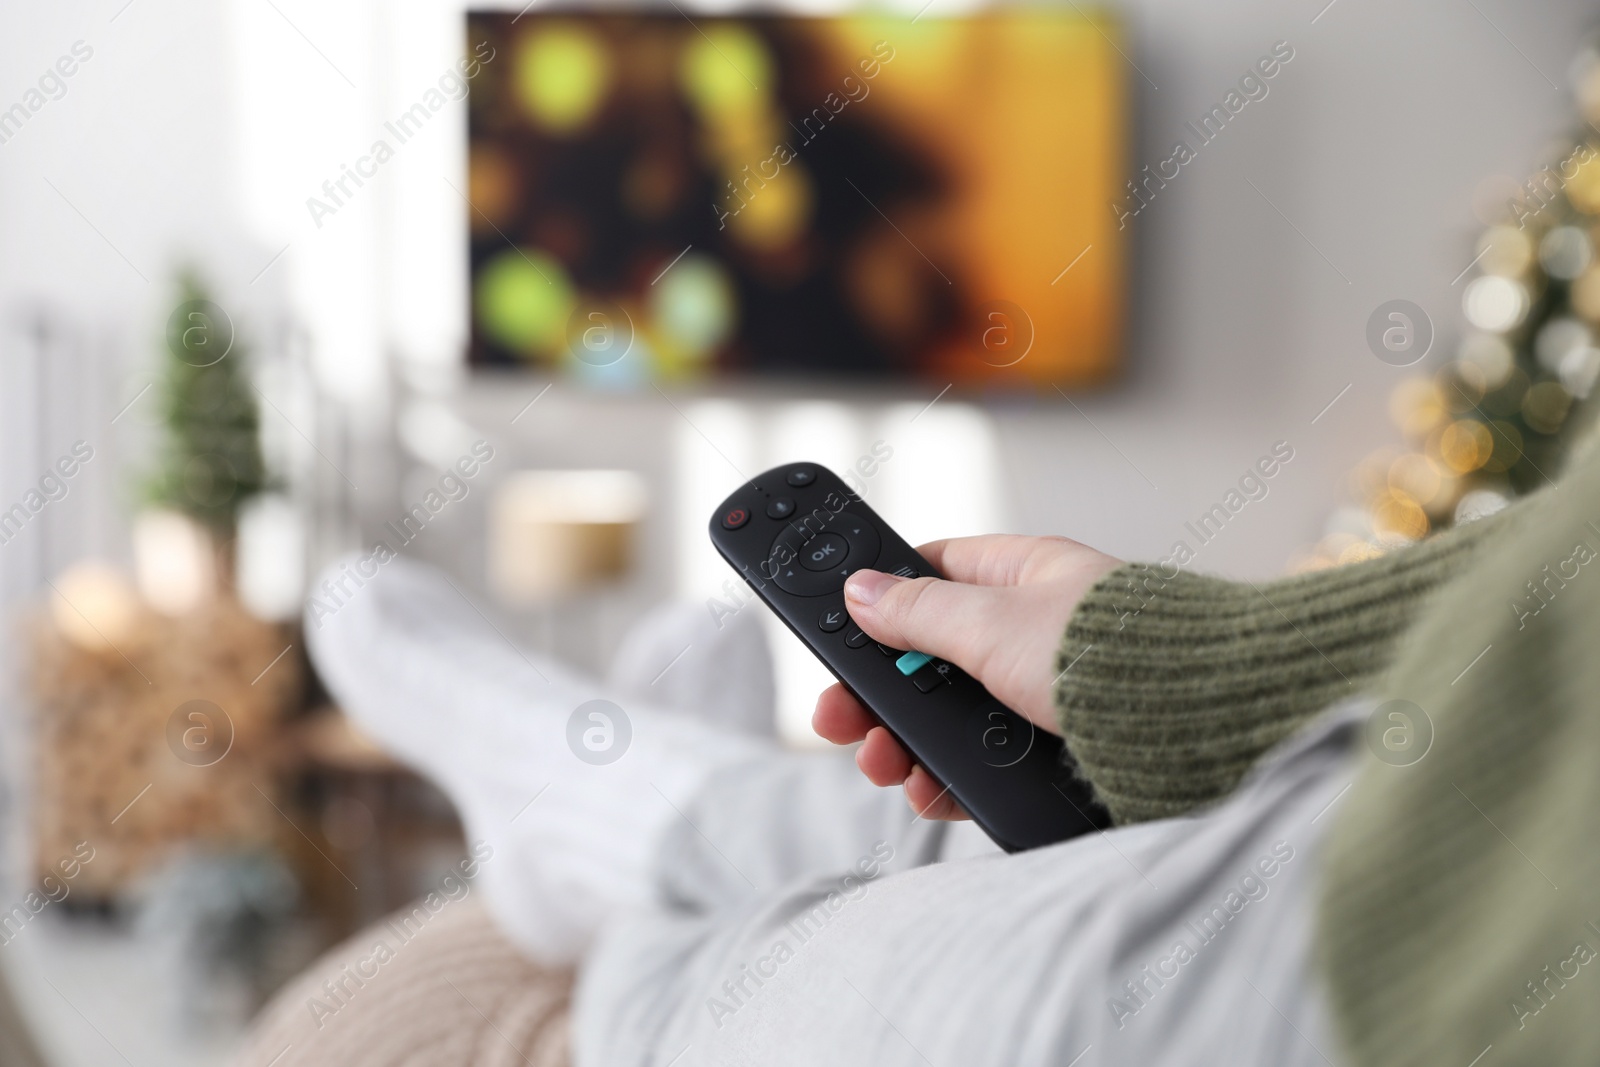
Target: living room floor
x=95 y=995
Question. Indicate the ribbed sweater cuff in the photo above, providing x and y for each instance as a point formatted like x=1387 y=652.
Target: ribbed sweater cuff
x=1172 y=685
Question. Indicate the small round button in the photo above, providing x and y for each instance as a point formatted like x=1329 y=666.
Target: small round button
x=780 y=508
x=824 y=552
x=735 y=519
x=832 y=620
x=801 y=477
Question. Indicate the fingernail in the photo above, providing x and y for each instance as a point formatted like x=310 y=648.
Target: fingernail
x=868 y=587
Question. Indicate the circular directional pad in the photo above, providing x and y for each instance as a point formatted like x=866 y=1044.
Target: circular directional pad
x=815 y=553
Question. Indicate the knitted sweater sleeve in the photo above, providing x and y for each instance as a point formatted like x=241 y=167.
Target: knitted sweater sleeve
x=1171 y=685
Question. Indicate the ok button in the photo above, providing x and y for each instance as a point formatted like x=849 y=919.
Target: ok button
x=824 y=552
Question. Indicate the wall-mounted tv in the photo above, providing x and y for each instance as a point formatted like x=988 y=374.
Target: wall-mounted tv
x=660 y=196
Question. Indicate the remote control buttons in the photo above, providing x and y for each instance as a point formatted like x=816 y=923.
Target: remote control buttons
x=735 y=519
x=912 y=661
x=804 y=476
x=832 y=620
x=856 y=637
x=863 y=538
x=825 y=552
x=780 y=508
x=925 y=672
x=841 y=543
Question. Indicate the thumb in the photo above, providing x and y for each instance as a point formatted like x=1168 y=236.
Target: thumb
x=949 y=620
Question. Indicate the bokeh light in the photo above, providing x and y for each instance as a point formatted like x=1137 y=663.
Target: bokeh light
x=1416 y=476
x=1416 y=406
x=562 y=75
x=1565 y=252
x=523 y=301
x=1583 y=188
x=1585 y=294
x=1397 y=516
x=692 y=306
x=492 y=186
x=1490 y=354
x=1494 y=303
x=1545 y=406
x=724 y=71
x=1504 y=250
x=778 y=214
x=1579 y=370
x=1466 y=445
x=1558 y=337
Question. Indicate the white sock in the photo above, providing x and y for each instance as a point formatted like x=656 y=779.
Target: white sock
x=429 y=676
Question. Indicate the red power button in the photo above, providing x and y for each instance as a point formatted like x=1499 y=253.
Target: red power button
x=735 y=519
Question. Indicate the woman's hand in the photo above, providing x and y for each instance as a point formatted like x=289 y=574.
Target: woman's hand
x=999 y=616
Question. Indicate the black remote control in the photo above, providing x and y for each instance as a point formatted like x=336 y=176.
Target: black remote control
x=794 y=534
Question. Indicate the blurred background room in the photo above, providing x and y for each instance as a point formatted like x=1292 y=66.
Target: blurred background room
x=525 y=291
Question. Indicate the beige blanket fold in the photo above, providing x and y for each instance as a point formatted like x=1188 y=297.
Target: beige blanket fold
x=453 y=992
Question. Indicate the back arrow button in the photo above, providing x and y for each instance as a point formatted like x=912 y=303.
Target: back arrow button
x=832 y=621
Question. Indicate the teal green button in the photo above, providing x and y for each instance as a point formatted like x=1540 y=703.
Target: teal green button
x=912 y=661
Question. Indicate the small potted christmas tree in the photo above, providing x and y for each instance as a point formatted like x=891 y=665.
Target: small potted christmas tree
x=208 y=462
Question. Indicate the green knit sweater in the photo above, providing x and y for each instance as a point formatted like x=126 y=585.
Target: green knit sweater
x=1460 y=905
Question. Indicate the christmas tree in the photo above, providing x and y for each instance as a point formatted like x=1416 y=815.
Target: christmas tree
x=210 y=457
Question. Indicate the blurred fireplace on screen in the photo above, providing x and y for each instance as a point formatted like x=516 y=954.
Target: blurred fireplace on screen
x=850 y=197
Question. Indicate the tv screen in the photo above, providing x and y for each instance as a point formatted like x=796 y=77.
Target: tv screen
x=657 y=196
